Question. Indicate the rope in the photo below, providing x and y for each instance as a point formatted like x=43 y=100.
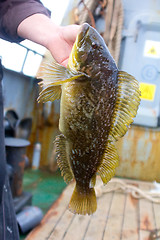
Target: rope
x=90 y=14
x=117 y=184
x=119 y=34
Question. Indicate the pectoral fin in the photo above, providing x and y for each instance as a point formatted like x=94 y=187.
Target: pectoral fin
x=63 y=158
x=128 y=100
x=53 y=75
x=109 y=163
x=50 y=93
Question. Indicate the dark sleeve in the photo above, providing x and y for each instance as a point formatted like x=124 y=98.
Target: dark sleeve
x=13 y=12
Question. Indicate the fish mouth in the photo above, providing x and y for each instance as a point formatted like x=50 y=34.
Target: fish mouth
x=81 y=48
x=84 y=30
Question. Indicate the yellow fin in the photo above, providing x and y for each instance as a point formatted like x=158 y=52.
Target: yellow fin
x=127 y=102
x=93 y=181
x=83 y=202
x=63 y=158
x=55 y=74
x=109 y=163
x=50 y=93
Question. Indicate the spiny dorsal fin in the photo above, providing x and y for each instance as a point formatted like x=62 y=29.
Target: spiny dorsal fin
x=50 y=93
x=127 y=102
x=63 y=158
x=109 y=163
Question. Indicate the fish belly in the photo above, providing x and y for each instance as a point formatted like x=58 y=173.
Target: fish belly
x=83 y=124
x=76 y=111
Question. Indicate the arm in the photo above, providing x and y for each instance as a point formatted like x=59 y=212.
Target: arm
x=30 y=20
x=12 y=13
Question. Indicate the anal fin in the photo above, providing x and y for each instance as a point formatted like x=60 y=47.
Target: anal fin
x=109 y=163
x=63 y=158
x=93 y=181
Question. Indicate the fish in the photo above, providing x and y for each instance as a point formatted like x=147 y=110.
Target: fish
x=97 y=105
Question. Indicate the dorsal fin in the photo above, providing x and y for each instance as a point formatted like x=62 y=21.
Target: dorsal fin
x=127 y=102
x=63 y=158
x=109 y=163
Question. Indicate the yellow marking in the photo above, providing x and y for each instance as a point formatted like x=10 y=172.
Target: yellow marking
x=152 y=49
x=147 y=91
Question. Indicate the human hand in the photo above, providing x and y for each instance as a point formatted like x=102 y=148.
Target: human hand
x=57 y=39
x=61 y=45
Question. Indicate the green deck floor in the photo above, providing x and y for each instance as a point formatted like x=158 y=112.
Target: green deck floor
x=45 y=187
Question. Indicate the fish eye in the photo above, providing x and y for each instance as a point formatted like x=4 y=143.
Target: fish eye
x=94 y=45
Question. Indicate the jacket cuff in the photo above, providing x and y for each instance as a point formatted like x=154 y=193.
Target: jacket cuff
x=11 y=19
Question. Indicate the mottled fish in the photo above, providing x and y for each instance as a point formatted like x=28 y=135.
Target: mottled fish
x=98 y=103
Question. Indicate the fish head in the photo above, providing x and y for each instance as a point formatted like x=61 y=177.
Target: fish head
x=90 y=53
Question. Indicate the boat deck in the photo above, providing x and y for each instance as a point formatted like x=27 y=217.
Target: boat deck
x=119 y=216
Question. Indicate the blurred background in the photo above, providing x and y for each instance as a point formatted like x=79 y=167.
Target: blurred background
x=27 y=56
x=131 y=30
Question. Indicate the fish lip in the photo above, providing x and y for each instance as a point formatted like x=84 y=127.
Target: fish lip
x=85 y=27
x=83 y=32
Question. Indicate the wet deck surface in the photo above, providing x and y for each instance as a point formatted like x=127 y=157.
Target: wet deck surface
x=119 y=216
x=45 y=188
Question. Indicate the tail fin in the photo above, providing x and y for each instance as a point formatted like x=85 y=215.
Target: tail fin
x=83 y=202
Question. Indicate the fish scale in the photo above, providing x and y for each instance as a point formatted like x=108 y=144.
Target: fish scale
x=98 y=103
